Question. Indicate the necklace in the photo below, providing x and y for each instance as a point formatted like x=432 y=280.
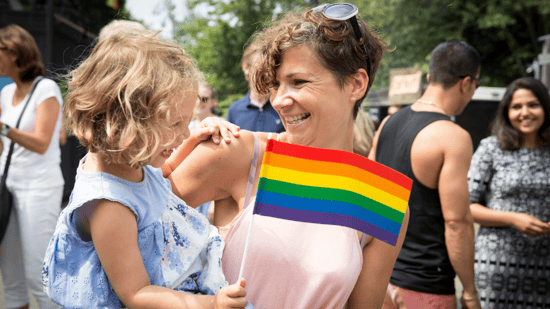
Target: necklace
x=430 y=103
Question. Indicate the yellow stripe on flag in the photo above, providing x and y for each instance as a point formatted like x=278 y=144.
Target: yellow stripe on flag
x=335 y=182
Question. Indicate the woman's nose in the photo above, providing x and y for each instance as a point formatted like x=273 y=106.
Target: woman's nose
x=281 y=98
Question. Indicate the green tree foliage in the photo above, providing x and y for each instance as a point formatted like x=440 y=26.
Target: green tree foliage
x=217 y=41
x=504 y=31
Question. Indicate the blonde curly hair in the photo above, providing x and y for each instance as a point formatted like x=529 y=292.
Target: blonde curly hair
x=121 y=98
x=333 y=42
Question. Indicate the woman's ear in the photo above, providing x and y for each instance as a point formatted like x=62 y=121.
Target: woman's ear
x=360 y=82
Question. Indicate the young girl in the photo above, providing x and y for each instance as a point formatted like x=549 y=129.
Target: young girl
x=125 y=239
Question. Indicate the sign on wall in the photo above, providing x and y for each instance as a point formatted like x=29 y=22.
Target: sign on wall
x=405 y=85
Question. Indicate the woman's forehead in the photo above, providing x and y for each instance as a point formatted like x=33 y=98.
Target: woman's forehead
x=298 y=59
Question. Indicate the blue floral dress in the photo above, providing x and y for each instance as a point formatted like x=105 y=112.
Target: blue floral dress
x=180 y=249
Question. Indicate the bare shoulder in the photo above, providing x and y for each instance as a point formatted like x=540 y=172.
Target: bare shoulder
x=446 y=135
x=438 y=144
x=383 y=122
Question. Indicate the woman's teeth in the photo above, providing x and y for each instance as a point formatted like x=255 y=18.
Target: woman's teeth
x=296 y=119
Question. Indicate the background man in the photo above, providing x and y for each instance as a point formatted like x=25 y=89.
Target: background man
x=254 y=112
x=436 y=153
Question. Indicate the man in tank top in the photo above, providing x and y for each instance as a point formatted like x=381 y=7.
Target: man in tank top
x=423 y=143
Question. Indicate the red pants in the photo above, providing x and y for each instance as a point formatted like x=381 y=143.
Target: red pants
x=400 y=298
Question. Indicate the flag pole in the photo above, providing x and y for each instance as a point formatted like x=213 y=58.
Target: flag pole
x=246 y=248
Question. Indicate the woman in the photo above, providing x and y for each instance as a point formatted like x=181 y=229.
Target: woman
x=318 y=74
x=363 y=133
x=510 y=199
x=34 y=176
x=206 y=105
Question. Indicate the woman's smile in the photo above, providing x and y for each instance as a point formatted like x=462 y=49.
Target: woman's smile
x=296 y=119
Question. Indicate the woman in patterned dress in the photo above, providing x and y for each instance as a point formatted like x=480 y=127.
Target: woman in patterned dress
x=510 y=199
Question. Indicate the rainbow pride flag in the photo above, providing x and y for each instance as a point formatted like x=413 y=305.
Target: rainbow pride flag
x=329 y=186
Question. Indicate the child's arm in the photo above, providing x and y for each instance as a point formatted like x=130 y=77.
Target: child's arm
x=113 y=229
x=213 y=172
x=210 y=127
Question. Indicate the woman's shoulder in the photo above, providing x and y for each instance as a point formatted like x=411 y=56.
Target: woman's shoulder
x=47 y=84
x=489 y=143
x=47 y=88
x=8 y=90
x=9 y=87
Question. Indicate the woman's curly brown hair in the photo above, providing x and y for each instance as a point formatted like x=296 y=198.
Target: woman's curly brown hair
x=122 y=97
x=333 y=42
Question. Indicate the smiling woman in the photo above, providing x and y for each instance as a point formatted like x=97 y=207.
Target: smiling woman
x=317 y=70
x=314 y=108
x=526 y=115
x=509 y=189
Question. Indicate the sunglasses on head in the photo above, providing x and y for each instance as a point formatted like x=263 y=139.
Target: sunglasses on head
x=344 y=12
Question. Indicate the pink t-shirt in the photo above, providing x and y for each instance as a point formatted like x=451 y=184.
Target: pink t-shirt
x=293 y=264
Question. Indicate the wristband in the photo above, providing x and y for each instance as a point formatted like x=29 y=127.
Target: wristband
x=5 y=129
x=469 y=298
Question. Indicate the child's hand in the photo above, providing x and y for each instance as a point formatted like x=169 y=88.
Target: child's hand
x=217 y=128
x=232 y=296
x=210 y=127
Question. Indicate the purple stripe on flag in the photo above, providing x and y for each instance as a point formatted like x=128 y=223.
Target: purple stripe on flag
x=325 y=218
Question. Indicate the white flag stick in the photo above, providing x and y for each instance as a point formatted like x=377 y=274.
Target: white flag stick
x=246 y=248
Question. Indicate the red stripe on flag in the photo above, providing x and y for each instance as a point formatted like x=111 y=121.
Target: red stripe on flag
x=339 y=156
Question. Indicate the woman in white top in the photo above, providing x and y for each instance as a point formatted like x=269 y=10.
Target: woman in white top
x=34 y=177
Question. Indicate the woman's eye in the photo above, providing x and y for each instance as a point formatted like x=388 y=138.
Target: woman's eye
x=299 y=82
x=175 y=125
